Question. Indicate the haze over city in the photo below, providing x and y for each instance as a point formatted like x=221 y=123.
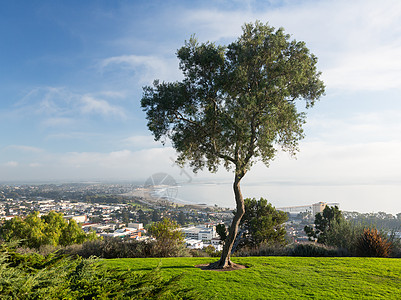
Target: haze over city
x=71 y=81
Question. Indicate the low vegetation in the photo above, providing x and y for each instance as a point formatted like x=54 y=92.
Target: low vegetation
x=372 y=243
x=281 y=277
x=33 y=276
x=333 y=230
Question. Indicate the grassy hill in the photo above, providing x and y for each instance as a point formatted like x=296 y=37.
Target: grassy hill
x=282 y=277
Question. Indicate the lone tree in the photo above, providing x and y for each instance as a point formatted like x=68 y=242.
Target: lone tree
x=235 y=105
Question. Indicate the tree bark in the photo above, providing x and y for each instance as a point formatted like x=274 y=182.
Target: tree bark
x=225 y=261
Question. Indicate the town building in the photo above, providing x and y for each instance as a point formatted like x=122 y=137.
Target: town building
x=204 y=233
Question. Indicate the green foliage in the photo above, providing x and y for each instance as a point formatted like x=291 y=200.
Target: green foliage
x=264 y=249
x=51 y=229
x=262 y=223
x=169 y=237
x=371 y=243
x=211 y=251
x=316 y=250
x=282 y=277
x=236 y=104
x=114 y=248
x=66 y=278
x=304 y=249
x=344 y=235
x=221 y=231
x=323 y=224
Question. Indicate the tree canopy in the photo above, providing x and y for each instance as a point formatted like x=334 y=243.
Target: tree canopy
x=262 y=223
x=51 y=229
x=236 y=104
x=324 y=222
x=168 y=237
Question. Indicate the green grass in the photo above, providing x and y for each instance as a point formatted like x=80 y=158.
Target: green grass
x=282 y=277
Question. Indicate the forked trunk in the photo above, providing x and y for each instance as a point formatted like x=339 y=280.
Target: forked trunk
x=225 y=261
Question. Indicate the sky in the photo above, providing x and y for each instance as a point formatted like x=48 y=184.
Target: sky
x=72 y=72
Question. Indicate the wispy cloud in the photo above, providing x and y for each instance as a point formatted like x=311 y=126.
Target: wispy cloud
x=57 y=122
x=92 y=105
x=357 y=42
x=12 y=164
x=380 y=126
x=24 y=148
x=141 y=141
x=72 y=135
x=144 y=69
x=60 y=106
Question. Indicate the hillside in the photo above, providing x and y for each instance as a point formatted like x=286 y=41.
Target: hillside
x=282 y=277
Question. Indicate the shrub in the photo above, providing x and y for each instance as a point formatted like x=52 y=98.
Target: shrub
x=317 y=250
x=304 y=249
x=112 y=248
x=169 y=238
x=264 y=249
x=118 y=248
x=395 y=245
x=372 y=244
x=344 y=235
x=198 y=253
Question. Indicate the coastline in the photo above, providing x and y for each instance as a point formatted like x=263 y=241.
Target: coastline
x=152 y=197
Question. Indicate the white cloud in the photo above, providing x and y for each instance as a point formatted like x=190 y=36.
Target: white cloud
x=25 y=148
x=112 y=94
x=72 y=135
x=333 y=164
x=62 y=106
x=380 y=126
x=46 y=100
x=145 y=69
x=58 y=121
x=11 y=164
x=141 y=141
x=100 y=106
x=358 y=43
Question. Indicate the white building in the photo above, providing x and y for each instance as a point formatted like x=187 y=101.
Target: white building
x=194 y=244
x=216 y=243
x=318 y=207
x=137 y=226
x=78 y=219
x=122 y=232
x=200 y=232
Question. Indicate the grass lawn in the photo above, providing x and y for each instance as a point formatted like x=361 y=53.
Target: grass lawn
x=282 y=277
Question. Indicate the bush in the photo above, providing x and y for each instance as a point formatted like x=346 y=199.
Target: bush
x=317 y=250
x=198 y=253
x=344 y=235
x=265 y=249
x=372 y=244
x=169 y=238
x=395 y=245
x=118 y=248
x=305 y=249
x=112 y=248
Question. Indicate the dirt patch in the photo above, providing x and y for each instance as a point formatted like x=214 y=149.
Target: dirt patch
x=212 y=267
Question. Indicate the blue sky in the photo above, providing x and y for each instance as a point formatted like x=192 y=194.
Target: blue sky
x=71 y=77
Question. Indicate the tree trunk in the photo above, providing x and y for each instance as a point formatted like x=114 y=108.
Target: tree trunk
x=225 y=261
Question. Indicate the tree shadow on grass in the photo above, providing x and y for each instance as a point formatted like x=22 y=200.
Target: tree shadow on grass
x=212 y=267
